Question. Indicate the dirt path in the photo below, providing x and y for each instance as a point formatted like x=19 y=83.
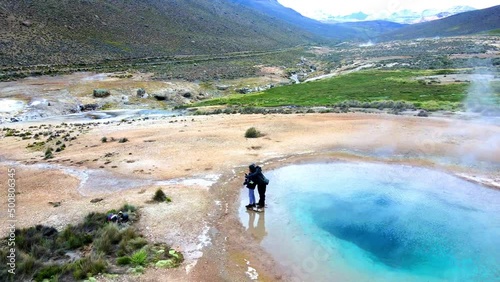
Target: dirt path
x=199 y=162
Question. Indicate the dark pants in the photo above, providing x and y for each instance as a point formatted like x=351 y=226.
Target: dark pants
x=262 y=195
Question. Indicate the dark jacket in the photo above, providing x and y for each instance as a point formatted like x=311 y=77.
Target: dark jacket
x=249 y=183
x=256 y=175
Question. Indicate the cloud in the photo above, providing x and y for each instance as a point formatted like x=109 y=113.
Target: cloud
x=313 y=7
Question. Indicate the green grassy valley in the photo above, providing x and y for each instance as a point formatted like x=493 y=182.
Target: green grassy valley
x=364 y=87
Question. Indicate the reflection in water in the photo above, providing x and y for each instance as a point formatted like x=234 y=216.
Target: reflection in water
x=257 y=230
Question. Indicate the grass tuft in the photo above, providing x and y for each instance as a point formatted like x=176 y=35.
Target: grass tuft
x=252 y=132
x=160 y=196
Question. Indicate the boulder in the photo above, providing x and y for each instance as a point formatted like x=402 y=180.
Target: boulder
x=88 y=107
x=161 y=96
x=423 y=113
x=243 y=90
x=141 y=92
x=101 y=93
x=186 y=94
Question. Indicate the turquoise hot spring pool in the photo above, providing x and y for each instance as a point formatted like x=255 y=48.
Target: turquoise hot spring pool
x=346 y=221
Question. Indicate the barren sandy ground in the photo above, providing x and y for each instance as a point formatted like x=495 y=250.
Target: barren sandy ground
x=199 y=162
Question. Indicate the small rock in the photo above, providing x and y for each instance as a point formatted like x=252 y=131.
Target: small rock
x=222 y=87
x=243 y=90
x=27 y=23
x=96 y=200
x=55 y=204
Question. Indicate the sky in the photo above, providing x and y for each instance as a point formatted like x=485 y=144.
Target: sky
x=310 y=8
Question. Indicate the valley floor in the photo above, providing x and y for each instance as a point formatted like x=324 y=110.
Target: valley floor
x=200 y=161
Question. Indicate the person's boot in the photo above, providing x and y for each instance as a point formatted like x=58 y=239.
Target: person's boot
x=250 y=206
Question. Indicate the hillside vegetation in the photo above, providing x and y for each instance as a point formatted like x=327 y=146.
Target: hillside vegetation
x=88 y=31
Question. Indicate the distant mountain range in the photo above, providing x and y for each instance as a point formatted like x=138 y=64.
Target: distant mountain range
x=403 y=16
x=357 y=31
x=472 y=22
x=451 y=22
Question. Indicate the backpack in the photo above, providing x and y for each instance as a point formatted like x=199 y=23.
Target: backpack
x=266 y=180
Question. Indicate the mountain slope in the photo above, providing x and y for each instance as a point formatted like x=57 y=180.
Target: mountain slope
x=369 y=30
x=274 y=9
x=344 y=31
x=82 y=31
x=461 y=24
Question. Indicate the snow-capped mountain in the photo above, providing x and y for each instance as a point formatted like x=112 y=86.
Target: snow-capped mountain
x=404 y=16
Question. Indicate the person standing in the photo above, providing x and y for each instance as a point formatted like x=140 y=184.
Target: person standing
x=258 y=177
x=250 y=184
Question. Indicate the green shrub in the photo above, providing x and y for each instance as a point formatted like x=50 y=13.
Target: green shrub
x=42 y=249
x=48 y=154
x=139 y=258
x=94 y=221
x=128 y=208
x=88 y=267
x=103 y=245
x=111 y=232
x=123 y=261
x=32 y=241
x=123 y=248
x=48 y=272
x=129 y=234
x=72 y=238
x=252 y=132
x=26 y=265
x=137 y=243
x=123 y=140
x=159 y=196
x=104 y=139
